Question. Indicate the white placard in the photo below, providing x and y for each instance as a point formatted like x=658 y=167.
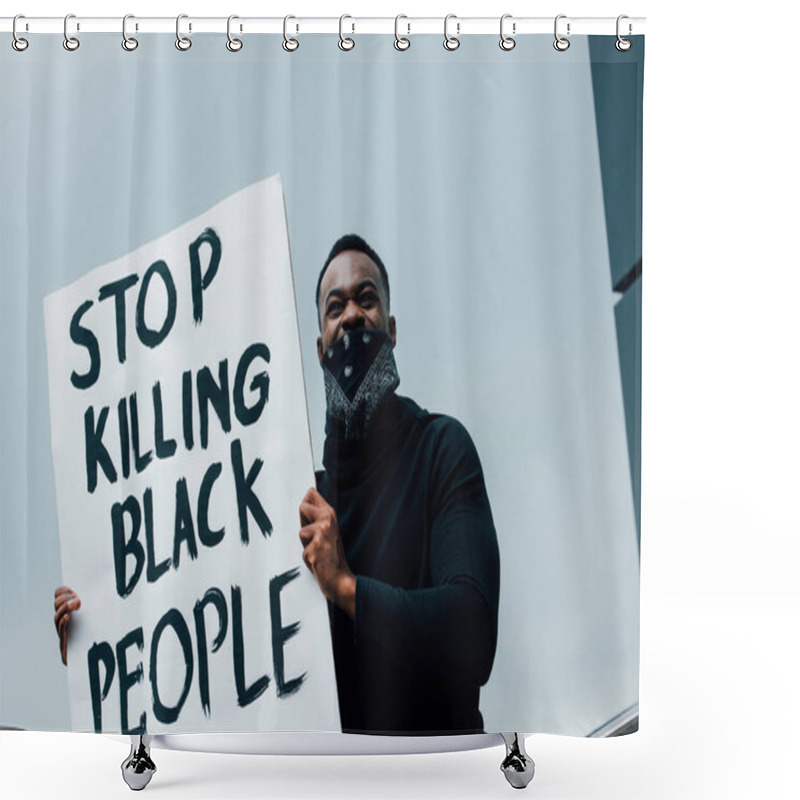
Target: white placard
x=181 y=450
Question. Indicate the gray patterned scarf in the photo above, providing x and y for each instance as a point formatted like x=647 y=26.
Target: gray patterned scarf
x=359 y=371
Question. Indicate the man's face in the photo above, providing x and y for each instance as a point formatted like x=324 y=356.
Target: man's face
x=352 y=296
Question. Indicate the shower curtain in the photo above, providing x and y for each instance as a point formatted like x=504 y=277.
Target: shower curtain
x=320 y=379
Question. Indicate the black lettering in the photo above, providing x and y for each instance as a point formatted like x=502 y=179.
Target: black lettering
x=213 y=597
x=184 y=527
x=164 y=447
x=140 y=461
x=246 y=498
x=123 y=549
x=124 y=437
x=188 y=412
x=96 y=452
x=117 y=290
x=244 y=694
x=200 y=280
x=97 y=653
x=129 y=679
x=84 y=337
x=260 y=383
x=217 y=394
x=148 y=336
x=154 y=571
x=208 y=536
x=281 y=634
x=168 y=714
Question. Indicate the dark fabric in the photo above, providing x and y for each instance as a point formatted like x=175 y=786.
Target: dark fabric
x=417 y=530
x=359 y=372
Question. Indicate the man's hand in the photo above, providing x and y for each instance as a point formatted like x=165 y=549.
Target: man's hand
x=323 y=552
x=66 y=601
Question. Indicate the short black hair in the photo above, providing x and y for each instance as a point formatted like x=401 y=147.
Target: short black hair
x=352 y=241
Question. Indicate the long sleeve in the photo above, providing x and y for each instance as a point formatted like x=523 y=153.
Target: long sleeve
x=449 y=629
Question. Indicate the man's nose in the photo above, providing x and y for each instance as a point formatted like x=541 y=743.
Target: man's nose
x=352 y=316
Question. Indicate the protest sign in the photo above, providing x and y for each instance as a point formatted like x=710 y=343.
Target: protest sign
x=181 y=451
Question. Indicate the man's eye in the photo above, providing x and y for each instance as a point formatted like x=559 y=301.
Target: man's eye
x=368 y=299
x=334 y=308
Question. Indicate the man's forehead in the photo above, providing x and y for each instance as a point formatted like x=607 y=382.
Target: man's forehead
x=348 y=270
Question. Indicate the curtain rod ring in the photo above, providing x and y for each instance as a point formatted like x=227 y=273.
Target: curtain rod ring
x=561 y=43
x=70 y=42
x=507 y=42
x=345 y=42
x=182 y=42
x=622 y=44
x=400 y=42
x=18 y=43
x=128 y=42
x=289 y=44
x=451 y=42
x=233 y=44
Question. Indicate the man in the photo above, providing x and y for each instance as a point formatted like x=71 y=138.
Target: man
x=398 y=533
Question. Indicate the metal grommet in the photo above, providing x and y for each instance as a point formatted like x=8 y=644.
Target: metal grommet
x=233 y=44
x=400 y=42
x=289 y=44
x=345 y=42
x=181 y=42
x=451 y=42
x=507 y=42
x=561 y=43
x=18 y=43
x=622 y=44
x=128 y=42
x=70 y=42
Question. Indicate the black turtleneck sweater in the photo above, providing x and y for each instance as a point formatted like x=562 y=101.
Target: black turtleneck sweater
x=417 y=530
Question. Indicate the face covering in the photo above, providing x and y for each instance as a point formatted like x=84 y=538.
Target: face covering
x=359 y=371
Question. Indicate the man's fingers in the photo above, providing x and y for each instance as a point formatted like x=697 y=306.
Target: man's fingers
x=68 y=600
x=309 y=495
x=307 y=534
x=62 y=636
x=305 y=518
x=315 y=498
x=65 y=601
x=309 y=512
x=65 y=605
x=63 y=609
x=62 y=628
x=311 y=506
